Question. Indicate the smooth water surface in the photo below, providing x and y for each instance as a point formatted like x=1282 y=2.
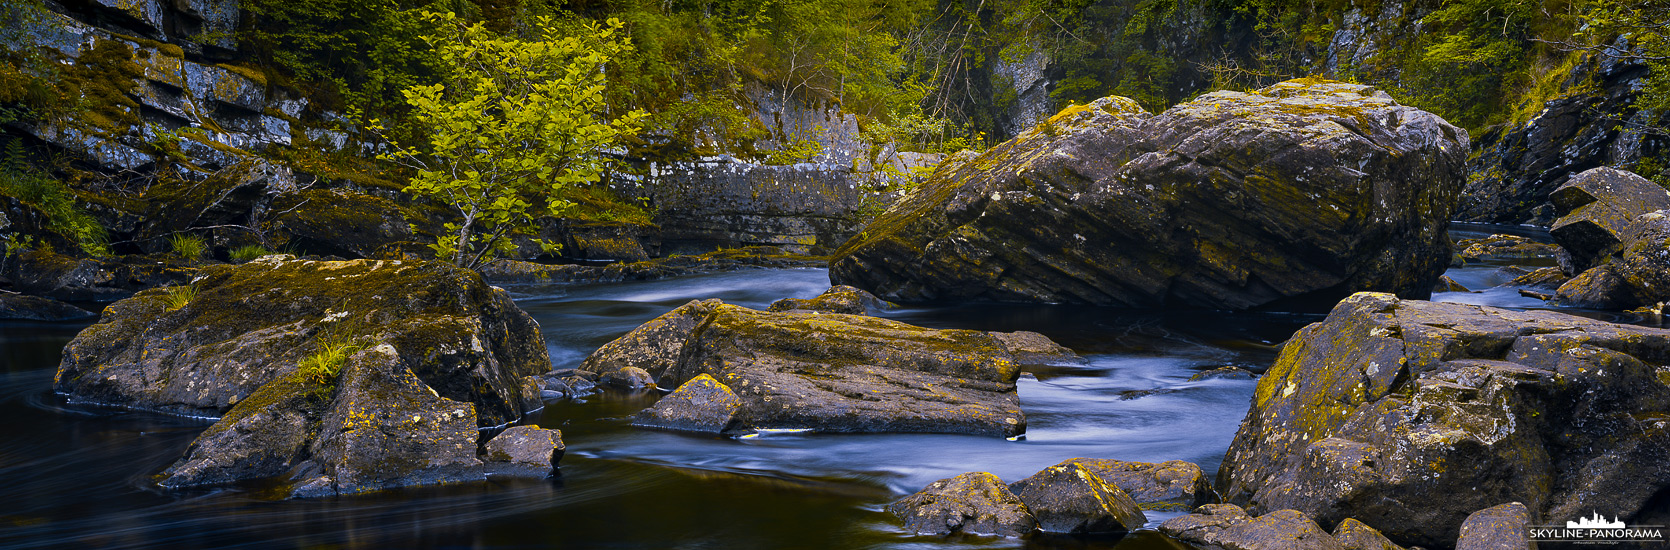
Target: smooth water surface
x=73 y=477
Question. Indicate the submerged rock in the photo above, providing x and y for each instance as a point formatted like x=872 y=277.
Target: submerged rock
x=1173 y=484
x=832 y=372
x=1504 y=246
x=272 y=348
x=1228 y=527
x=975 y=502
x=1298 y=193
x=1411 y=415
x=1502 y=527
x=1069 y=498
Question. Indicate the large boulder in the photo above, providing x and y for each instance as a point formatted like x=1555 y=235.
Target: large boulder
x=1228 y=527
x=827 y=372
x=1411 y=415
x=975 y=502
x=838 y=299
x=1597 y=211
x=1633 y=273
x=1299 y=193
x=200 y=349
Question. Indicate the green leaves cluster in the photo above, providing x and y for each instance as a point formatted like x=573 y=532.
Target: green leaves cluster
x=512 y=125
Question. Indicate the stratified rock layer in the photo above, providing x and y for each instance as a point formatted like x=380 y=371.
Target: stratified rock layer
x=1410 y=415
x=1298 y=193
x=829 y=372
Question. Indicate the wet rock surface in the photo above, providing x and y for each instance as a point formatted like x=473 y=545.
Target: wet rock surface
x=701 y=405
x=975 y=502
x=838 y=299
x=1174 y=484
x=1233 y=200
x=832 y=372
x=523 y=451
x=1228 y=527
x=1456 y=407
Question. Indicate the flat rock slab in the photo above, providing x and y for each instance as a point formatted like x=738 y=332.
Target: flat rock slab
x=1229 y=527
x=36 y=308
x=1294 y=195
x=975 y=502
x=1411 y=415
x=835 y=372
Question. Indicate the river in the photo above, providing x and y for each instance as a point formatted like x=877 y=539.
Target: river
x=80 y=477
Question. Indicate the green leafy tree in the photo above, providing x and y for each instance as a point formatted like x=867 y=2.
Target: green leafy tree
x=512 y=122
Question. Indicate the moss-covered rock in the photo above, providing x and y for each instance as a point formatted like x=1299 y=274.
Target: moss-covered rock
x=1411 y=415
x=703 y=405
x=523 y=451
x=199 y=349
x=1504 y=247
x=975 y=502
x=1356 y=535
x=340 y=223
x=1301 y=192
x=19 y=306
x=832 y=372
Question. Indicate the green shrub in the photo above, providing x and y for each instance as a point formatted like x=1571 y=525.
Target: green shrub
x=326 y=362
x=176 y=297
x=55 y=201
x=249 y=252
x=187 y=247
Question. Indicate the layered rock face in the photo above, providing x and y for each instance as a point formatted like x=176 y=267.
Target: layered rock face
x=1410 y=415
x=343 y=376
x=1298 y=193
x=738 y=369
x=1594 y=121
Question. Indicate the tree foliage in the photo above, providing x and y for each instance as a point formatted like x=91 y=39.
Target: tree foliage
x=512 y=122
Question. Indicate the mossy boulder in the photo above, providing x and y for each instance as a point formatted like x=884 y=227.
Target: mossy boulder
x=523 y=451
x=831 y=372
x=199 y=349
x=1228 y=527
x=1410 y=415
x=1299 y=193
x=1504 y=247
x=975 y=503
x=702 y=405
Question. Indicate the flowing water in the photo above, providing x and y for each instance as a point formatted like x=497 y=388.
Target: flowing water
x=73 y=477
